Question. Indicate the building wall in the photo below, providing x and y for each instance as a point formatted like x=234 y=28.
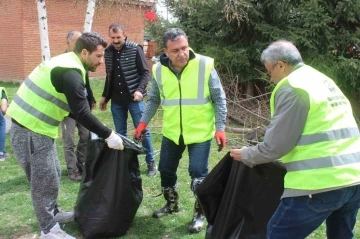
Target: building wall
x=19 y=30
x=11 y=40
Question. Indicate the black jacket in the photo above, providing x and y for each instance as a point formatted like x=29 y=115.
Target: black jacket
x=134 y=68
x=89 y=92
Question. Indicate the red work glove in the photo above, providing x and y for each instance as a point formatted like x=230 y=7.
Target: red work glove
x=139 y=133
x=220 y=139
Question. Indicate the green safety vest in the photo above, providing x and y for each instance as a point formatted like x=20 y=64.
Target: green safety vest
x=37 y=105
x=327 y=154
x=187 y=108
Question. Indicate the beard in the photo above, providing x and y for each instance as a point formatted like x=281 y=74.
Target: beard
x=90 y=67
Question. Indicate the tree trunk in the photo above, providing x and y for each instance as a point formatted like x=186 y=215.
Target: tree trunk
x=89 y=15
x=44 y=33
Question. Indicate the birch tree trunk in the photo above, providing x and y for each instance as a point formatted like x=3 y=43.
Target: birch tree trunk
x=89 y=15
x=44 y=33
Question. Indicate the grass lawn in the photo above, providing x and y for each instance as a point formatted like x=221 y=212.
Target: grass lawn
x=17 y=219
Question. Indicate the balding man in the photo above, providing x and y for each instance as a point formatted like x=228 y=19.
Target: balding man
x=75 y=154
x=71 y=39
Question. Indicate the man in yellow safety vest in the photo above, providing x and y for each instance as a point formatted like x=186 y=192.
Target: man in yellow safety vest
x=314 y=134
x=189 y=90
x=53 y=90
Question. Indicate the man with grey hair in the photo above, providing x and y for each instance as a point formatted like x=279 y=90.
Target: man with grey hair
x=75 y=154
x=189 y=90
x=314 y=134
x=71 y=39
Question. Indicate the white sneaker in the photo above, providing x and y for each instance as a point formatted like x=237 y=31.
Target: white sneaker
x=62 y=217
x=56 y=233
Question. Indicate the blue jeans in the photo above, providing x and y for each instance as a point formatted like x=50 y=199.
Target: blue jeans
x=171 y=154
x=120 y=115
x=2 y=132
x=297 y=217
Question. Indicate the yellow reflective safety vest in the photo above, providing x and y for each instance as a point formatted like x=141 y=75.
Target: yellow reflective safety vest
x=187 y=108
x=327 y=154
x=37 y=105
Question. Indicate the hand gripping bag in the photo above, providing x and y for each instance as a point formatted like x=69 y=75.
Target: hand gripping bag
x=111 y=191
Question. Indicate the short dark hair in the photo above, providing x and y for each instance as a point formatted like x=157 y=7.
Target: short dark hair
x=173 y=34
x=116 y=27
x=90 y=42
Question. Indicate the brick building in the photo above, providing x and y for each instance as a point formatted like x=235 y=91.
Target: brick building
x=19 y=29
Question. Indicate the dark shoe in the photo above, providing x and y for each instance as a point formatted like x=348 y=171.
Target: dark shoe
x=167 y=209
x=80 y=167
x=172 y=202
x=197 y=222
x=74 y=176
x=152 y=169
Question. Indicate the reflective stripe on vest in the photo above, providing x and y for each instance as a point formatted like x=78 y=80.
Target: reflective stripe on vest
x=335 y=134
x=46 y=96
x=328 y=152
x=34 y=112
x=324 y=162
x=201 y=84
x=186 y=102
x=37 y=105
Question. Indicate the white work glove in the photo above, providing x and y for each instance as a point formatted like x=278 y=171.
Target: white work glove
x=114 y=141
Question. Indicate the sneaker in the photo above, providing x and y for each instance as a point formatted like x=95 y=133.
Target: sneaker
x=4 y=156
x=75 y=176
x=152 y=169
x=62 y=217
x=56 y=233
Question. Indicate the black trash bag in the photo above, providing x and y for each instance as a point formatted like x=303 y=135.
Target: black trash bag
x=111 y=190
x=238 y=201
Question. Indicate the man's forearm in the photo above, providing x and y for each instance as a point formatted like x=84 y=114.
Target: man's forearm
x=218 y=97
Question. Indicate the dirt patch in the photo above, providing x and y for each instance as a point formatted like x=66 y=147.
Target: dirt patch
x=28 y=236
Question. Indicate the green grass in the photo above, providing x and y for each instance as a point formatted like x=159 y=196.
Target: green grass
x=17 y=219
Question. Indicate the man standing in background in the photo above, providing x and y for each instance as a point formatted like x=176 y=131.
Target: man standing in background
x=75 y=154
x=127 y=76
